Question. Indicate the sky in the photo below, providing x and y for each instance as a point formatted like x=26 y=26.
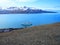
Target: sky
x=42 y=4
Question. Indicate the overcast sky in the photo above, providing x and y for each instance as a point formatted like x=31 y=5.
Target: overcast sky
x=44 y=4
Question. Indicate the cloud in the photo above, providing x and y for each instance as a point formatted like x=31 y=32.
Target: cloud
x=6 y=3
x=3 y=1
x=26 y=0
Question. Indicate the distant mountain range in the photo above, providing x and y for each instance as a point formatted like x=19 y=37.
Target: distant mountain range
x=23 y=10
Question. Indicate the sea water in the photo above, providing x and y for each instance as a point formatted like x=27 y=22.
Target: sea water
x=15 y=20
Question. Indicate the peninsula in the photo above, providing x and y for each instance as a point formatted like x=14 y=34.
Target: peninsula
x=23 y=10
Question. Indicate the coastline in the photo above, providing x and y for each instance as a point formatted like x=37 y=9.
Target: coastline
x=2 y=30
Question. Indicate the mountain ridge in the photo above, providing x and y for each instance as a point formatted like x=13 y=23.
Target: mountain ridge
x=23 y=10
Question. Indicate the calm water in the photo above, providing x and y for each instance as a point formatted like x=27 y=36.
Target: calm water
x=15 y=20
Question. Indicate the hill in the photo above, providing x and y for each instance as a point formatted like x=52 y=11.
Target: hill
x=37 y=35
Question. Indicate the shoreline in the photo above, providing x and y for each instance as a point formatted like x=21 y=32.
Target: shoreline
x=11 y=29
x=8 y=29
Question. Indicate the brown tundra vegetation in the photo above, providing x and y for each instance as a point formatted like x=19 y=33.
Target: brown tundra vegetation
x=38 y=35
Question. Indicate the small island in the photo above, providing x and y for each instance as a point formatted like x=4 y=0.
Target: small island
x=23 y=10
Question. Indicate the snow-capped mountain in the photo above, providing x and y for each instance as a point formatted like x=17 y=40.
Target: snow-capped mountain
x=17 y=10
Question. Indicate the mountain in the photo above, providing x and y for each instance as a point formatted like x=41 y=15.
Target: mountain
x=23 y=10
